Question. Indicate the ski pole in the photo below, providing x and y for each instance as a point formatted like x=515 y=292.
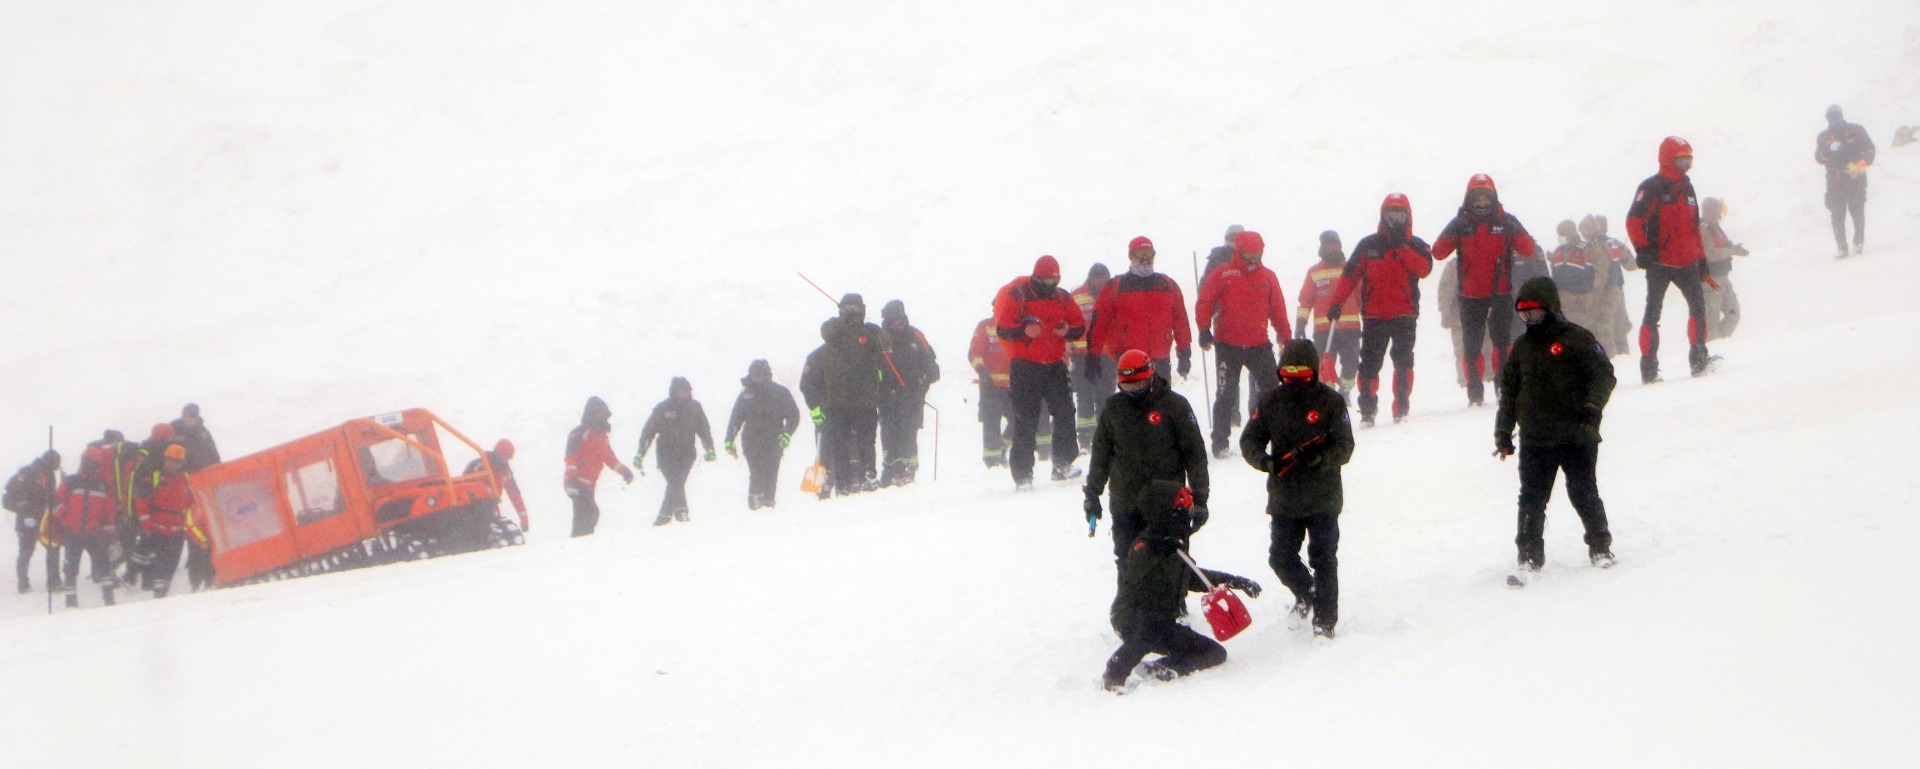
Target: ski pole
x=1206 y=389
x=936 y=438
x=52 y=567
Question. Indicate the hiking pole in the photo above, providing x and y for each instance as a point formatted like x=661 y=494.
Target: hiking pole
x=936 y=438
x=1206 y=389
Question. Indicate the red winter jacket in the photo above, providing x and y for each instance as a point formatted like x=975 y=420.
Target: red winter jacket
x=985 y=353
x=1147 y=314
x=1486 y=249
x=1665 y=216
x=84 y=506
x=1386 y=270
x=588 y=452
x=1248 y=299
x=164 y=509
x=1316 y=295
x=1018 y=304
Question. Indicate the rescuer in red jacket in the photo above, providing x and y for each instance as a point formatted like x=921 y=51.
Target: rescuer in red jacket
x=1035 y=320
x=1664 y=225
x=1487 y=238
x=162 y=507
x=1335 y=340
x=84 y=515
x=991 y=366
x=1385 y=269
x=1247 y=297
x=1142 y=310
x=588 y=452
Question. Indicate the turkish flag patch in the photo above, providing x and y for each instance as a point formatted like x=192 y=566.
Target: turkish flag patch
x=1153 y=417
x=1557 y=348
x=1313 y=417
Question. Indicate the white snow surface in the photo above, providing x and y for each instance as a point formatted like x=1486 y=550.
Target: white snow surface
x=296 y=214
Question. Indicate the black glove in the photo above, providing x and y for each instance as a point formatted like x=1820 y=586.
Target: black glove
x=1206 y=339
x=1091 y=371
x=1644 y=258
x=1200 y=514
x=1590 y=415
x=1244 y=585
x=986 y=377
x=1333 y=313
x=1186 y=361
x=1503 y=445
x=1091 y=505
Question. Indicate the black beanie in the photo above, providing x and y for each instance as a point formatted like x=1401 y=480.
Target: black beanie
x=894 y=310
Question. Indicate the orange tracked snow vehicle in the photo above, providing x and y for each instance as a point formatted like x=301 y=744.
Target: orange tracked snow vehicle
x=373 y=490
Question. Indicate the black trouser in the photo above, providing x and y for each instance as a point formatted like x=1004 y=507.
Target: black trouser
x=200 y=565
x=1481 y=319
x=1345 y=351
x=95 y=547
x=1186 y=651
x=848 y=448
x=1687 y=280
x=675 y=470
x=1088 y=396
x=1538 y=464
x=165 y=551
x=1375 y=334
x=1262 y=375
x=996 y=413
x=1035 y=385
x=1321 y=586
x=586 y=512
x=763 y=470
x=1844 y=198
x=900 y=441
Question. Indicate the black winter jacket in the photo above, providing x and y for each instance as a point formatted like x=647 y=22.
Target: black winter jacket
x=762 y=412
x=1554 y=373
x=1154 y=580
x=676 y=423
x=1144 y=439
x=853 y=364
x=1289 y=417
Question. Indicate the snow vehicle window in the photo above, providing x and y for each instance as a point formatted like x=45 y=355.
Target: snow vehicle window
x=314 y=493
x=393 y=461
x=246 y=512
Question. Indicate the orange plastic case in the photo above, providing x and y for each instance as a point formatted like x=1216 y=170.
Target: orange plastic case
x=373 y=490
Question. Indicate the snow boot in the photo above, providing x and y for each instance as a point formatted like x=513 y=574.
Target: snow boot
x=1322 y=631
x=680 y=515
x=1602 y=558
x=663 y=519
x=73 y=600
x=1066 y=472
x=1159 y=670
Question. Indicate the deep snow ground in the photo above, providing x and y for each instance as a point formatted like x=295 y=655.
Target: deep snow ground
x=298 y=216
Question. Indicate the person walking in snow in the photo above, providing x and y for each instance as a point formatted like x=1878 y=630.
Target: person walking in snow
x=1664 y=225
x=500 y=461
x=1555 y=389
x=84 y=515
x=1385 y=271
x=1155 y=577
x=1142 y=310
x=761 y=425
x=1723 y=306
x=1095 y=381
x=911 y=369
x=1603 y=249
x=991 y=367
x=1577 y=279
x=1147 y=433
x=29 y=496
x=587 y=453
x=1846 y=150
x=1338 y=342
x=1036 y=320
x=851 y=370
x=1450 y=320
x=1300 y=437
x=1487 y=238
x=675 y=421
x=1246 y=298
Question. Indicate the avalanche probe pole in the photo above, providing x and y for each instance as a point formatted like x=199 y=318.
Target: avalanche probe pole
x=1206 y=389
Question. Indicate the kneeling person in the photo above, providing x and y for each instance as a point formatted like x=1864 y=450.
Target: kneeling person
x=1154 y=582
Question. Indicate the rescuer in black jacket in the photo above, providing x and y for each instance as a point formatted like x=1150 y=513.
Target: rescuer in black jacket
x=1147 y=432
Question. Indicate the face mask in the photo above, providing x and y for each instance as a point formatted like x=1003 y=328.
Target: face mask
x=1140 y=270
x=1684 y=163
x=1045 y=284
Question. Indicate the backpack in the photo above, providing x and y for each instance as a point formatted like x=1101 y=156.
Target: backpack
x=17 y=488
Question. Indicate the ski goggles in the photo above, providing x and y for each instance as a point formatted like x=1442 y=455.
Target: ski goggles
x=1135 y=373
x=1396 y=216
x=1296 y=372
x=1528 y=304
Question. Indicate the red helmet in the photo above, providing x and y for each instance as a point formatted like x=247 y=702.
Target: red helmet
x=503 y=449
x=1134 y=366
x=161 y=432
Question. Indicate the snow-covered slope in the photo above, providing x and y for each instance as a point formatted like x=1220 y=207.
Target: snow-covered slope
x=294 y=216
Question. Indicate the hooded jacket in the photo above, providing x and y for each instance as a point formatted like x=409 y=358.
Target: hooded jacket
x=1486 y=244
x=763 y=410
x=854 y=361
x=1022 y=301
x=1154 y=580
x=1141 y=439
x=910 y=365
x=1386 y=268
x=1306 y=419
x=1843 y=144
x=587 y=448
x=1247 y=299
x=1664 y=221
x=676 y=421
x=1555 y=371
